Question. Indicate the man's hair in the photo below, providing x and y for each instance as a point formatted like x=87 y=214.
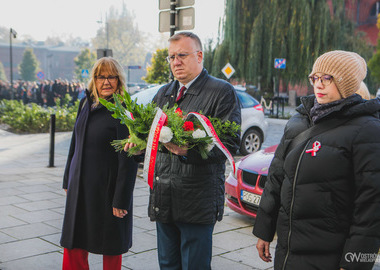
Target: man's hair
x=191 y=35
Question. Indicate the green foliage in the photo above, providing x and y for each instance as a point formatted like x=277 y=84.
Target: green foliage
x=374 y=63
x=374 y=66
x=224 y=130
x=159 y=71
x=85 y=60
x=139 y=127
x=177 y=128
x=3 y=77
x=32 y=118
x=208 y=55
x=256 y=32
x=29 y=65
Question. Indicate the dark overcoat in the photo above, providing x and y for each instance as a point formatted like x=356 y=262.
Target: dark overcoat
x=191 y=189
x=97 y=179
x=325 y=207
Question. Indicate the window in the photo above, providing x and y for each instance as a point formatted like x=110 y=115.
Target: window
x=246 y=100
x=375 y=10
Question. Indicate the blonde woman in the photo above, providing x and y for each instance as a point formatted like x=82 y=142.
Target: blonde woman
x=99 y=182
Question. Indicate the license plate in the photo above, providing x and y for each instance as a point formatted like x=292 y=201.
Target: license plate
x=249 y=197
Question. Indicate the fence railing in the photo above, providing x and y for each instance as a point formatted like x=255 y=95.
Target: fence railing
x=274 y=106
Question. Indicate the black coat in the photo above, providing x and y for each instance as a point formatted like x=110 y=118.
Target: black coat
x=325 y=207
x=190 y=189
x=97 y=179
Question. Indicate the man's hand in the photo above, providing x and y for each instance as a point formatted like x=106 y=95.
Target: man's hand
x=175 y=149
x=263 y=249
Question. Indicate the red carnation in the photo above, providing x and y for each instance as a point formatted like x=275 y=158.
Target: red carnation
x=178 y=111
x=188 y=125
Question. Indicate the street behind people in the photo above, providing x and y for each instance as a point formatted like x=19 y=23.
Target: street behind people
x=323 y=190
x=99 y=181
x=188 y=192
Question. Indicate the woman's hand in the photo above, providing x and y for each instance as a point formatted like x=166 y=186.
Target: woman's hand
x=175 y=149
x=120 y=213
x=263 y=249
x=128 y=146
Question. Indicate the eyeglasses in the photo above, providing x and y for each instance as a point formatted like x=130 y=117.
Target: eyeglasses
x=179 y=56
x=111 y=79
x=325 y=79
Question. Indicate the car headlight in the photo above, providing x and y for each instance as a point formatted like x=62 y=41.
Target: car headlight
x=236 y=169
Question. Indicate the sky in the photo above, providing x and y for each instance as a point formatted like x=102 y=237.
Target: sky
x=42 y=18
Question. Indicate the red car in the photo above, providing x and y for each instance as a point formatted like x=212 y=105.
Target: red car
x=244 y=189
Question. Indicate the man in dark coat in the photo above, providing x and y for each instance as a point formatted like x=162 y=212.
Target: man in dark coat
x=188 y=191
x=323 y=194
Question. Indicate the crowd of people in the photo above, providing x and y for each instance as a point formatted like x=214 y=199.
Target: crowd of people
x=44 y=92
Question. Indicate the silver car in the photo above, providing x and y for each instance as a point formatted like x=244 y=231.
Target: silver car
x=253 y=124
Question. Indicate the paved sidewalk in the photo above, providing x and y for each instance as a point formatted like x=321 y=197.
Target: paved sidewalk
x=32 y=205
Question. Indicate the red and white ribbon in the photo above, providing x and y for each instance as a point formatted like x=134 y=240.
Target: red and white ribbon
x=212 y=133
x=152 y=146
x=315 y=149
x=128 y=114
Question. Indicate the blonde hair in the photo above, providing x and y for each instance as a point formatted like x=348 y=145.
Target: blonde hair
x=113 y=67
x=363 y=91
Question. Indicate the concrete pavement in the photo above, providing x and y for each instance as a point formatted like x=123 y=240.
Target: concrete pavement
x=32 y=205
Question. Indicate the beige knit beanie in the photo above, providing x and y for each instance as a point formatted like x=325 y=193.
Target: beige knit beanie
x=348 y=69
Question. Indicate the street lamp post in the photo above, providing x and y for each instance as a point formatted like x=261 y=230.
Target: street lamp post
x=13 y=33
x=106 y=24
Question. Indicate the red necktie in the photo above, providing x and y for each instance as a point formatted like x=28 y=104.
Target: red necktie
x=183 y=88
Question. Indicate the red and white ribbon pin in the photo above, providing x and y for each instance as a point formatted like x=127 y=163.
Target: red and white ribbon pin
x=315 y=149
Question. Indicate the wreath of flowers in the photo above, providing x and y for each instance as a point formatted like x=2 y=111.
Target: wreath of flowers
x=178 y=128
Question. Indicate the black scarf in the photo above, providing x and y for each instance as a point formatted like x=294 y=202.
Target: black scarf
x=320 y=110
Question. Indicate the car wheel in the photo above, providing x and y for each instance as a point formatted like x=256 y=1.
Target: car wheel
x=251 y=142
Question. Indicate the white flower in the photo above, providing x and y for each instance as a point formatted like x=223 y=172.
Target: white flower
x=210 y=146
x=166 y=134
x=199 y=134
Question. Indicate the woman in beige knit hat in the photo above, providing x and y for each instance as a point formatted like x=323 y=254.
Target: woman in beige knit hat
x=322 y=195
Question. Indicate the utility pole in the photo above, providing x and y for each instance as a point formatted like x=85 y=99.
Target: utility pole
x=107 y=30
x=13 y=33
x=173 y=5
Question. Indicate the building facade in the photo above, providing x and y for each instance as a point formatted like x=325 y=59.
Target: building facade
x=54 y=61
x=364 y=13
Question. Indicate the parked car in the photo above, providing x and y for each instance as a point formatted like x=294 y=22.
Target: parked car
x=245 y=187
x=253 y=126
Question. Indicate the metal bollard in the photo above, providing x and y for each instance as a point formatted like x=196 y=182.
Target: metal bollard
x=52 y=134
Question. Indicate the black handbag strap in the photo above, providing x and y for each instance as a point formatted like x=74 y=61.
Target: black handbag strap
x=315 y=130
